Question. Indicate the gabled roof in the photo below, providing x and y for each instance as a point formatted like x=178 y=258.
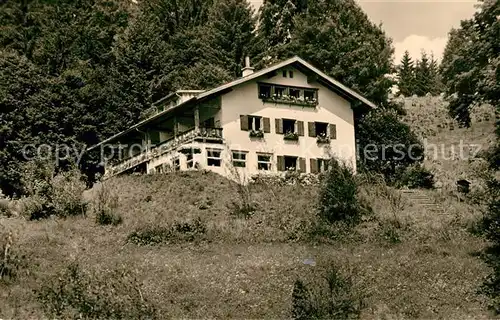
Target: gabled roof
x=295 y=61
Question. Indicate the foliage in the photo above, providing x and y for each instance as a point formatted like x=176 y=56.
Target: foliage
x=471 y=60
x=387 y=145
x=11 y=259
x=330 y=297
x=420 y=79
x=406 y=75
x=416 y=176
x=491 y=229
x=50 y=193
x=90 y=295
x=104 y=207
x=338 y=200
x=177 y=232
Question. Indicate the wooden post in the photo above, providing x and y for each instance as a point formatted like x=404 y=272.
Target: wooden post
x=197 y=117
x=176 y=127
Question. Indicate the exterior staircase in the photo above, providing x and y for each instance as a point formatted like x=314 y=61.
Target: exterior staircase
x=421 y=198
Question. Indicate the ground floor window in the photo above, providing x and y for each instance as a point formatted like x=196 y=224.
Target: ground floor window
x=190 y=160
x=239 y=159
x=214 y=157
x=264 y=162
x=177 y=164
x=323 y=165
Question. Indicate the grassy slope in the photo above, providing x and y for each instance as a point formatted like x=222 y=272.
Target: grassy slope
x=245 y=268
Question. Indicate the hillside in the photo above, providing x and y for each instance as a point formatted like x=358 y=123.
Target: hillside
x=185 y=250
x=428 y=117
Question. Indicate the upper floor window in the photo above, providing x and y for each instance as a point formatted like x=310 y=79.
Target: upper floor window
x=290 y=74
x=255 y=124
x=284 y=73
x=288 y=95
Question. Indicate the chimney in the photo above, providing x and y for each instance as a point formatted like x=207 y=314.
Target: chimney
x=247 y=70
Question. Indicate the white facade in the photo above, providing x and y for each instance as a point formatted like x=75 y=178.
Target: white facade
x=216 y=132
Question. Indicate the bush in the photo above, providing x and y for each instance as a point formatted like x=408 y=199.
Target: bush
x=338 y=200
x=104 y=207
x=177 y=232
x=5 y=208
x=416 y=176
x=491 y=225
x=50 y=194
x=387 y=145
x=329 y=297
x=11 y=261
x=111 y=295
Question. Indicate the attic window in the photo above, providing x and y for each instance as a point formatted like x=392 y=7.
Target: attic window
x=284 y=73
x=264 y=91
x=290 y=74
x=288 y=95
x=310 y=95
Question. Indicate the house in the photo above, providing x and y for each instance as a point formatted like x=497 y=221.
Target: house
x=290 y=116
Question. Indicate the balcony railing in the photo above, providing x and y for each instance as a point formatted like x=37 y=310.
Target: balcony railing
x=201 y=134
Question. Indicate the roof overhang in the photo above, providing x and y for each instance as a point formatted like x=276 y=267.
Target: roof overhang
x=297 y=62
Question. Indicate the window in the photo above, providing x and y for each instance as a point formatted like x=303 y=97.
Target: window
x=294 y=93
x=190 y=160
x=289 y=126
x=310 y=95
x=177 y=164
x=279 y=92
x=323 y=165
x=321 y=129
x=288 y=95
x=265 y=91
x=264 y=162
x=284 y=73
x=290 y=163
x=239 y=159
x=254 y=123
x=290 y=74
x=214 y=157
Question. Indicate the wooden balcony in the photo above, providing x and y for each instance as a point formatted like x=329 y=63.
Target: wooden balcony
x=204 y=135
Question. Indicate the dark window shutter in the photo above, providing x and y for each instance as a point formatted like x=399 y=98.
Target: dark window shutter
x=302 y=165
x=312 y=129
x=300 y=128
x=281 y=163
x=267 y=125
x=314 y=166
x=279 y=126
x=333 y=131
x=244 y=123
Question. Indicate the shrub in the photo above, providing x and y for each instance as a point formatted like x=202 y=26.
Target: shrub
x=416 y=176
x=177 y=232
x=50 y=194
x=330 y=297
x=5 y=208
x=491 y=225
x=11 y=261
x=338 y=200
x=386 y=144
x=104 y=207
x=110 y=295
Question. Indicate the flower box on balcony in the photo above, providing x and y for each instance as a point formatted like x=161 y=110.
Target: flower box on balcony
x=294 y=136
x=256 y=134
x=323 y=139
